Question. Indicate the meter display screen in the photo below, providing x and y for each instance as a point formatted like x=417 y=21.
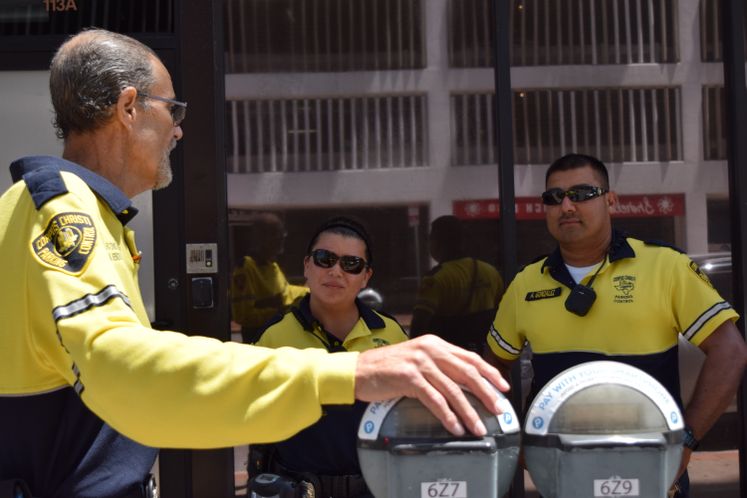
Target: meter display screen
x=411 y=420
x=608 y=409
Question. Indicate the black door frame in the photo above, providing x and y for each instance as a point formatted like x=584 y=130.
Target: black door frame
x=194 y=211
x=733 y=29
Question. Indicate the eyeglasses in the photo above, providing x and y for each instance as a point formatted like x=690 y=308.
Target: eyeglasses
x=577 y=193
x=177 y=108
x=327 y=259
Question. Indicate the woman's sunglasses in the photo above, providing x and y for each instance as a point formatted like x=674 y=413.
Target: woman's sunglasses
x=577 y=193
x=327 y=259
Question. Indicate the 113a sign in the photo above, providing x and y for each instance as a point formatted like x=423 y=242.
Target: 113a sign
x=60 y=5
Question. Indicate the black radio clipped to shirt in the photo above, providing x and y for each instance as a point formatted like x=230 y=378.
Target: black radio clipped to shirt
x=580 y=300
x=582 y=297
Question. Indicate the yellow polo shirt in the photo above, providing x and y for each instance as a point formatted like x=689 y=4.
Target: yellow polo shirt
x=73 y=317
x=646 y=296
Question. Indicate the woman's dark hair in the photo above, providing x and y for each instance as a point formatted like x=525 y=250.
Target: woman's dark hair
x=345 y=226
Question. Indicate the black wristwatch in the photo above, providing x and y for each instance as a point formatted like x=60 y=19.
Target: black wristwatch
x=690 y=441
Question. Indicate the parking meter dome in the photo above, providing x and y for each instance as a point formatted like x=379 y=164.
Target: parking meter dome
x=603 y=429
x=404 y=450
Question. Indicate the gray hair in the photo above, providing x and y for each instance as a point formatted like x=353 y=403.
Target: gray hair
x=88 y=73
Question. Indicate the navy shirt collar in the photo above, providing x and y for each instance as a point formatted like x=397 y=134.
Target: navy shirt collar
x=119 y=203
x=619 y=249
x=304 y=316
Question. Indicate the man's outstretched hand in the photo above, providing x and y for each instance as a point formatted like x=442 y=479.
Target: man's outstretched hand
x=431 y=370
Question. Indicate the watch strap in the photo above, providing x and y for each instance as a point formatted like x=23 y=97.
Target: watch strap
x=689 y=440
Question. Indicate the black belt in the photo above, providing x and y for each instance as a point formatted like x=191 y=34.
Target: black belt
x=345 y=486
x=328 y=486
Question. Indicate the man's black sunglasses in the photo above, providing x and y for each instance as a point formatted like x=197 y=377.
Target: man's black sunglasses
x=577 y=193
x=327 y=259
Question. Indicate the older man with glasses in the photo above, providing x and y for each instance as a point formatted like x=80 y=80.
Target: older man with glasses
x=604 y=295
x=84 y=381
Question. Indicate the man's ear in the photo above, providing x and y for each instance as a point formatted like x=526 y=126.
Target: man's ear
x=612 y=199
x=126 y=110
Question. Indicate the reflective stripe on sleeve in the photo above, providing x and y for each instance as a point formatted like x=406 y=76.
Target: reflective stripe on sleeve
x=88 y=301
x=502 y=342
x=79 y=306
x=704 y=318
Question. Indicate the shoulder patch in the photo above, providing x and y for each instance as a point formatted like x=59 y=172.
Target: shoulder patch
x=44 y=184
x=543 y=294
x=661 y=243
x=67 y=243
x=694 y=267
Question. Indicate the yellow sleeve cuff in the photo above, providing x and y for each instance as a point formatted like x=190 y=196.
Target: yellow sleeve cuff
x=336 y=378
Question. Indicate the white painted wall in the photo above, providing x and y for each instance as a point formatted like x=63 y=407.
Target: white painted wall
x=26 y=124
x=26 y=129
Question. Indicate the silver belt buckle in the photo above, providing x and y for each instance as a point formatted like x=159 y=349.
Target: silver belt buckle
x=151 y=488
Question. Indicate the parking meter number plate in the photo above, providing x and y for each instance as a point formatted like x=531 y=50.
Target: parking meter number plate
x=616 y=487
x=445 y=489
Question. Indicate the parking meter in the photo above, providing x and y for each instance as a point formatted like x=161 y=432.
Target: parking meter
x=603 y=429
x=404 y=451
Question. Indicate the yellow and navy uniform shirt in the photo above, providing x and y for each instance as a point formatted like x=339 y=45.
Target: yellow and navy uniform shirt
x=76 y=347
x=446 y=289
x=255 y=291
x=329 y=446
x=646 y=296
x=299 y=329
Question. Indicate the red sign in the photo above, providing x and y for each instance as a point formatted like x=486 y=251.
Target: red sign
x=531 y=208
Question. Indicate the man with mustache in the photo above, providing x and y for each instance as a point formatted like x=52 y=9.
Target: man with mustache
x=85 y=382
x=605 y=296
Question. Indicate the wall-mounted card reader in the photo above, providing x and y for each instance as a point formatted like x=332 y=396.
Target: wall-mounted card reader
x=202 y=292
x=202 y=258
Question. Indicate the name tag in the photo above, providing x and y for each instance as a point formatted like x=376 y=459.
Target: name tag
x=543 y=294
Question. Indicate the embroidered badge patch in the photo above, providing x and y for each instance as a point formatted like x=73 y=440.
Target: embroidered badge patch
x=625 y=285
x=694 y=267
x=542 y=294
x=379 y=342
x=67 y=242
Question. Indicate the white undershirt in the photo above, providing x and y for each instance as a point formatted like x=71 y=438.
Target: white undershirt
x=579 y=272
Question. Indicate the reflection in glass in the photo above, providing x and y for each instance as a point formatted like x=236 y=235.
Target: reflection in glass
x=259 y=288
x=385 y=110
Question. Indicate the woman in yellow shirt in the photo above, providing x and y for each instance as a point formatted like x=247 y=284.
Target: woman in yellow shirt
x=338 y=265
